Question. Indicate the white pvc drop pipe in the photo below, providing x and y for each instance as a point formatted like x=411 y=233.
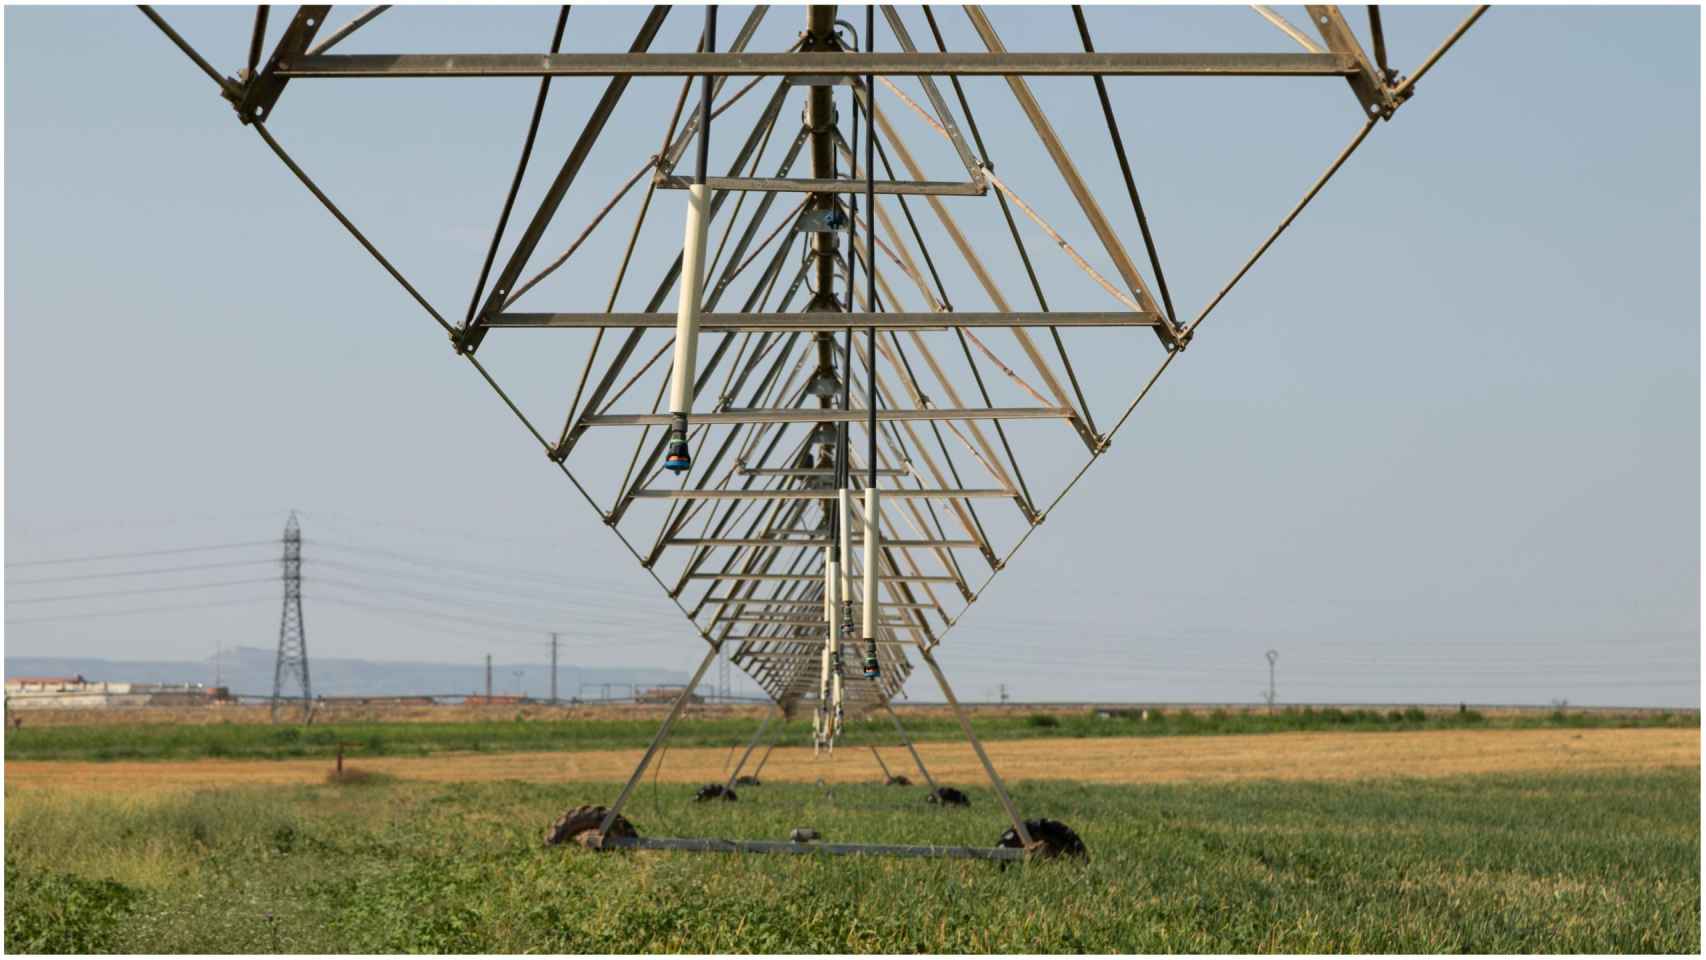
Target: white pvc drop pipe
x=692 y=296
x=872 y=544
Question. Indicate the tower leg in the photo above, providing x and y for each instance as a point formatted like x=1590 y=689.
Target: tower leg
x=977 y=746
x=887 y=776
x=662 y=735
x=750 y=745
x=910 y=748
x=766 y=758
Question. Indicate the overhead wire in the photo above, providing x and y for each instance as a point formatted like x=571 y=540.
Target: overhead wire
x=143 y=553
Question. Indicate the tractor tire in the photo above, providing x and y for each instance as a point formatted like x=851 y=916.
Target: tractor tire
x=898 y=780
x=948 y=797
x=747 y=780
x=714 y=791
x=1050 y=839
x=580 y=825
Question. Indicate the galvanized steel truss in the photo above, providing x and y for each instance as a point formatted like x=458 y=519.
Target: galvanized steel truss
x=751 y=578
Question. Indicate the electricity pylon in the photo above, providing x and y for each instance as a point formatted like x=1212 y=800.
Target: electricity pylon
x=292 y=636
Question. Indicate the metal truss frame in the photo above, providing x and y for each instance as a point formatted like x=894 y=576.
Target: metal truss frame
x=754 y=581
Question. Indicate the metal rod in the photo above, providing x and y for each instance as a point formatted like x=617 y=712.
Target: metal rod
x=520 y=171
x=977 y=745
x=716 y=647
x=756 y=736
x=821 y=63
x=1379 y=35
x=756 y=322
x=910 y=748
x=1338 y=162
x=355 y=24
x=257 y=39
x=807 y=415
x=1403 y=89
x=1272 y=16
x=189 y=51
x=326 y=201
x=1125 y=170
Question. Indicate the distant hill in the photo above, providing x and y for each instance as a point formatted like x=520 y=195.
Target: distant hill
x=249 y=670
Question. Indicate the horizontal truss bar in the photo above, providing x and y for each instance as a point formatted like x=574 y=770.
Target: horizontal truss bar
x=803 y=415
x=819 y=63
x=903 y=493
x=811 y=604
x=931 y=188
x=810 y=578
x=825 y=542
x=812 y=472
x=813 y=322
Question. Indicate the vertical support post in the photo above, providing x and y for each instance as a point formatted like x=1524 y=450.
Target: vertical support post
x=553 y=669
x=916 y=759
x=750 y=746
x=977 y=746
x=488 y=678
x=662 y=735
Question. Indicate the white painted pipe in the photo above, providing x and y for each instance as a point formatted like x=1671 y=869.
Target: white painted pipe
x=846 y=544
x=692 y=290
x=872 y=544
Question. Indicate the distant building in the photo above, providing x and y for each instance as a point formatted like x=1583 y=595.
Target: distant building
x=78 y=693
x=665 y=695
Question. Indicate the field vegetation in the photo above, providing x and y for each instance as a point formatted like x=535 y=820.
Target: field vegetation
x=1563 y=863
x=166 y=741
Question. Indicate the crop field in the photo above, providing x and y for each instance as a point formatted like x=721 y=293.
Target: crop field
x=43 y=737
x=1540 y=862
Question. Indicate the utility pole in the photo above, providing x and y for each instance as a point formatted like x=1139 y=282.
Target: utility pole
x=488 y=678
x=292 y=659
x=1273 y=657
x=553 y=669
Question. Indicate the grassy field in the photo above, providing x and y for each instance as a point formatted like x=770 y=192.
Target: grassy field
x=167 y=741
x=1495 y=863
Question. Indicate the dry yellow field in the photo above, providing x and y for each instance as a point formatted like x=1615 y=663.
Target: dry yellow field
x=1276 y=756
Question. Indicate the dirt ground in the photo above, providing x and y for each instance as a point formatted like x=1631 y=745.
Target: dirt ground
x=1276 y=756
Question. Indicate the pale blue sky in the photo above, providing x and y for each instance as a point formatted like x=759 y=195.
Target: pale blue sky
x=1442 y=444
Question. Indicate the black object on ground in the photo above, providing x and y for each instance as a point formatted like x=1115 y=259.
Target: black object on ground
x=1051 y=839
x=580 y=825
x=714 y=791
x=948 y=797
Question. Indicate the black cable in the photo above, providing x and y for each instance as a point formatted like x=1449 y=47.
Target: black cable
x=139 y=573
x=140 y=610
x=143 y=553
x=131 y=593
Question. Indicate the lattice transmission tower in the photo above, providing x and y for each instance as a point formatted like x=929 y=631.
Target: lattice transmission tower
x=292 y=663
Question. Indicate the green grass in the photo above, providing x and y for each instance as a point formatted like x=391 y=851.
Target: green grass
x=258 y=741
x=1518 y=864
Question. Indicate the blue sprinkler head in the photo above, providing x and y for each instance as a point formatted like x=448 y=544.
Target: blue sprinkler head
x=872 y=670
x=676 y=459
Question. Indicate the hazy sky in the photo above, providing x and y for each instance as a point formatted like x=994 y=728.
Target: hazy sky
x=1442 y=444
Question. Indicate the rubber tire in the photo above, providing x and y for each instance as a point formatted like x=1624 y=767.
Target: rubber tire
x=898 y=780
x=948 y=797
x=747 y=780
x=580 y=825
x=1052 y=839
x=714 y=791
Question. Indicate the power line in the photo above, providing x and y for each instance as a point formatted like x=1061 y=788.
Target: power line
x=142 y=553
x=137 y=610
x=483 y=589
x=464 y=568
x=137 y=573
x=131 y=593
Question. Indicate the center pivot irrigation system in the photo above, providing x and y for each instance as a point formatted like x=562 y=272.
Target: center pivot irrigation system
x=795 y=520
